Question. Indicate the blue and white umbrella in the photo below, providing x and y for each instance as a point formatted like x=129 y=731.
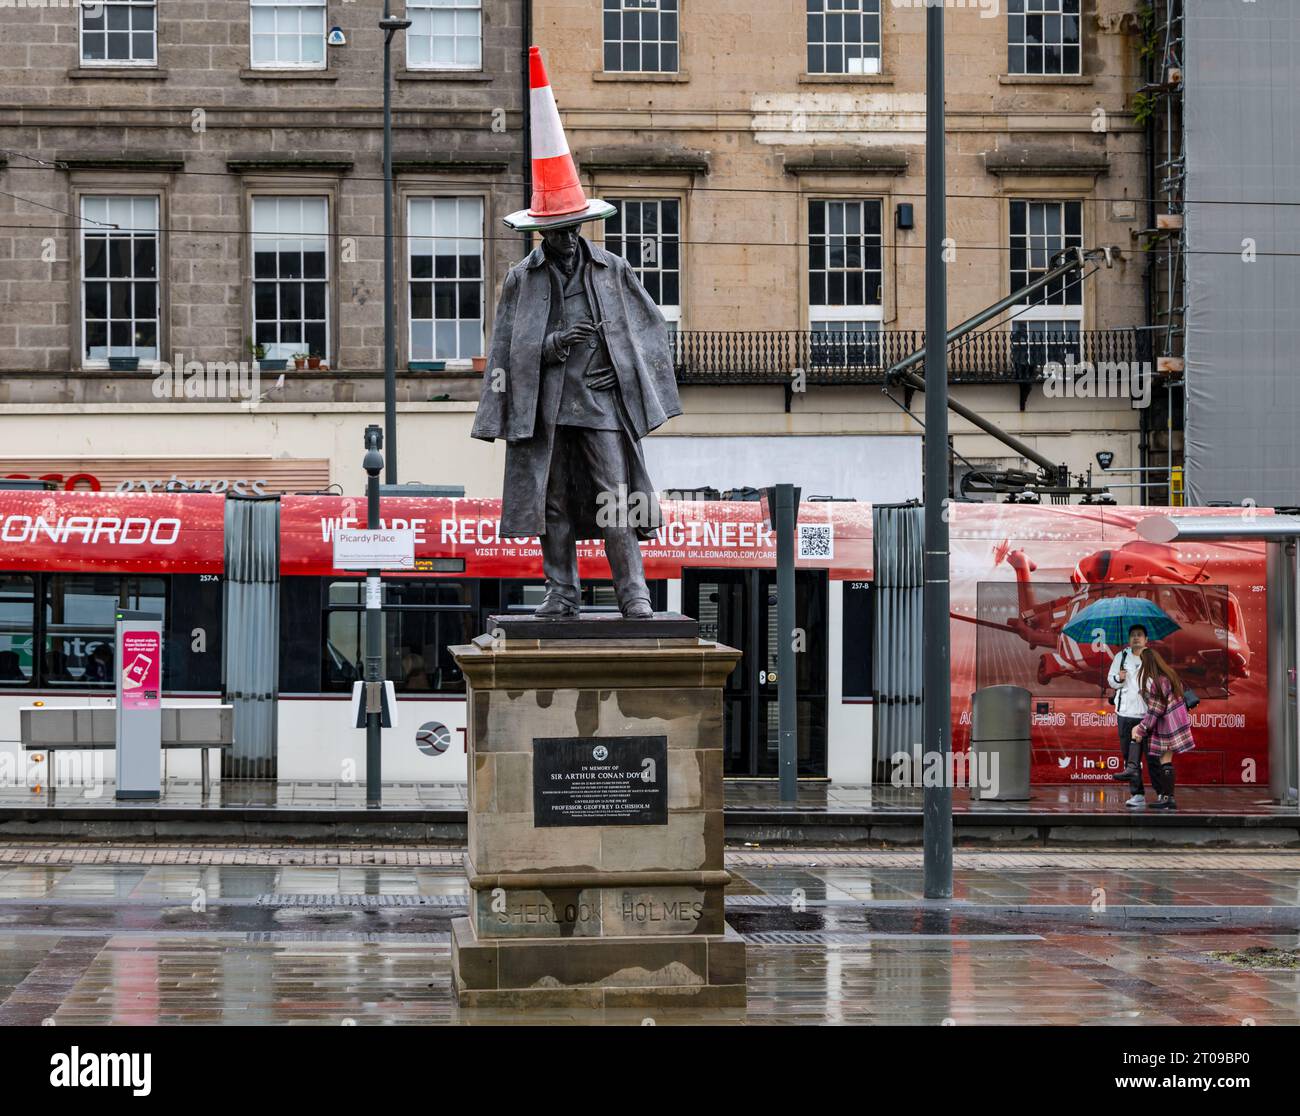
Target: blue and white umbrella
x=1111 y=617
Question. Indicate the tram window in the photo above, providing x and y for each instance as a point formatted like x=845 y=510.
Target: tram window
x=524 y=595
x=425 y=594
x=421 y=621
x=856 y=639
x=79 y=618
x=345 y=593
x=720 y=609
x=416 y=649
x=17 y=637
x=345 y=649
x=603 y=596
x=300 y=635
x=517 y=595
x=193 y=643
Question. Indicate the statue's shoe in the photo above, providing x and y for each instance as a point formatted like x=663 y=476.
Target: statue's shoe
x=555 y=607
x=638 y=610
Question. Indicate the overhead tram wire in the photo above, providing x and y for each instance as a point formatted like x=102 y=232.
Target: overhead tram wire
x=52 y=209
x=895 y=246
x=56 y=165
x=491 y=237
x=299 y=176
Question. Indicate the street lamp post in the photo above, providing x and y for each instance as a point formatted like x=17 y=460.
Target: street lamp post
x=373 y=701
x=937 y=720
x=389 y=25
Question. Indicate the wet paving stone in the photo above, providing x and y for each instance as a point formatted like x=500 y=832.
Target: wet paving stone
x=308 y=944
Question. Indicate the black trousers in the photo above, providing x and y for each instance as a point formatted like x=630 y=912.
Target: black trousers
x=602 y=454
x=1129 y=750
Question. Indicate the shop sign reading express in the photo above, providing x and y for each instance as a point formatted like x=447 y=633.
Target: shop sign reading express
x=600 y=780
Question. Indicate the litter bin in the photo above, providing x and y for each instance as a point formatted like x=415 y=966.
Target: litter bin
x=1000 y=731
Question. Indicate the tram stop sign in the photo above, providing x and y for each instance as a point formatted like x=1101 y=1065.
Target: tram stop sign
x=359 y=548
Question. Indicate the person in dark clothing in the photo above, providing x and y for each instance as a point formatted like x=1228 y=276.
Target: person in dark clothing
x=99 y=667
x=1130 y=708
x=10 y=670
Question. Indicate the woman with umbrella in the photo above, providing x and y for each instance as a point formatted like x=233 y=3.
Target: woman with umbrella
x=1130 y=621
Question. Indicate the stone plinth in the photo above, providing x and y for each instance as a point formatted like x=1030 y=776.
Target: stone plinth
x=595 y=819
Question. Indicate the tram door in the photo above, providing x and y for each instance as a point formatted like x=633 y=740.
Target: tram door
x=738 y=608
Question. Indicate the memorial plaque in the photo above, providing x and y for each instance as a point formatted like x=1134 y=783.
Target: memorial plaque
x=600 y=780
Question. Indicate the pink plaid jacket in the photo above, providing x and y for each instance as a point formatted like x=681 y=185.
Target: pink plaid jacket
x=1166 y=726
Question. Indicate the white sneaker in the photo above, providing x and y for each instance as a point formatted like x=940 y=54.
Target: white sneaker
x=1136 y=802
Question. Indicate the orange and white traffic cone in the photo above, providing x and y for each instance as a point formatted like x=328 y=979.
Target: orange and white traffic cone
x=558 y=198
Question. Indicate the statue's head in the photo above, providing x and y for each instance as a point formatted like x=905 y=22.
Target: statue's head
x=563 y=241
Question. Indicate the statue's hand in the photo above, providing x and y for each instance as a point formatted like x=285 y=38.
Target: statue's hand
x=601 y=381
x=579 y=331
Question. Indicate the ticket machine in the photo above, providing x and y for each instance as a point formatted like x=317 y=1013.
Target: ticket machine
x=139 y=704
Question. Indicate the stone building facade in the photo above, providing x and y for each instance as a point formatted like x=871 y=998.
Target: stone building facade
x=763 y=158
x=779 y=151
x=184 y=180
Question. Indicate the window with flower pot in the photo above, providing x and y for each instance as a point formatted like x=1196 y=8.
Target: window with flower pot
x=119 y=277
x=291 y=275
x=445 y=277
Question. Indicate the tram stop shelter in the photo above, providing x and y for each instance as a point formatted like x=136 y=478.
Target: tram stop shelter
x=1281 y=533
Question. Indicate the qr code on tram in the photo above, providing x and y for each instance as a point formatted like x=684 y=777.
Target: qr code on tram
x=816 y=540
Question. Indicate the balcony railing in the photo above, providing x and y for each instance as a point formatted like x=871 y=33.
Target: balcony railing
x=988 y=357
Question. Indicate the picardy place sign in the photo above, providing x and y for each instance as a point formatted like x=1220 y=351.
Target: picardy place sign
x=378 y=549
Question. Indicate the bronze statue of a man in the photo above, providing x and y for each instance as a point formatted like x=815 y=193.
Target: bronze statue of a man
x=579 y=370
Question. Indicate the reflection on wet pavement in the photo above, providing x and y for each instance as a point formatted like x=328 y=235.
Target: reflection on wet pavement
x=747 y=796
x=207 y=943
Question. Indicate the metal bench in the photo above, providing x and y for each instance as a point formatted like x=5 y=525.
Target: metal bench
x=69 y=728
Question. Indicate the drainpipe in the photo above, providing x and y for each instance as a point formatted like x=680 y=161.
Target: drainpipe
x=526 y=129
x=1144 y=419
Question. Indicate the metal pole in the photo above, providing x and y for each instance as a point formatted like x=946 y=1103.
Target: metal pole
x=373 y=464
x=390 y=26
x=937 y=724
x=1279 y=583
x=526 y=137
x=1292 y=561
x=787 y=733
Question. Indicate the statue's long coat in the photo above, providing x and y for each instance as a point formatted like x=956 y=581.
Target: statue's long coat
x=637 y=339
